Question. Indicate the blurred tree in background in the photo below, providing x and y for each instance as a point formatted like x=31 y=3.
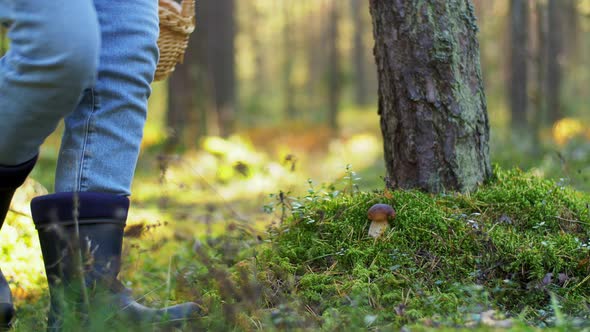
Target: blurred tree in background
x=358 y=55
x=204 y=86
x=554 y=56
x=519 y=27
x=335 y=84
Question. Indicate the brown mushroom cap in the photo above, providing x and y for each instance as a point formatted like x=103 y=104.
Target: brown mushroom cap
x=381 y=212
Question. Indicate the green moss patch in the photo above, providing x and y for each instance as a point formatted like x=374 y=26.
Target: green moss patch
x=509 y=247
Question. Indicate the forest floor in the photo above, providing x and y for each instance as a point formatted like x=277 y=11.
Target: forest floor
x=213 y=213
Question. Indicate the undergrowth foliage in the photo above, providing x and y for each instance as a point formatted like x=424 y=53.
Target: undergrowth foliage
x=509 y=247
x=519 y=247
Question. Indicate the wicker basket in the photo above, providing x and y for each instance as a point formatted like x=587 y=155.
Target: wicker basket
x=177 y=22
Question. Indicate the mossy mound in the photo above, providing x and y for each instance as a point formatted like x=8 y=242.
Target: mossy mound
x=510 y=247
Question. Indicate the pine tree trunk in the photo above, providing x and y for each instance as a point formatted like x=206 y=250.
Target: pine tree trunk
x=518 y=81
x=179 y=95
x=554 y=53
x=334 y=84
x=539 y=40
x=431 y=99
x=358 y=53
x=571 y=30
x=186 y=118
x=259 y=61
x=288 y=63
x=221 y=48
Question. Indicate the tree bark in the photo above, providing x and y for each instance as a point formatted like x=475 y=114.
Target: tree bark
x=518 y=81
x=431 y=98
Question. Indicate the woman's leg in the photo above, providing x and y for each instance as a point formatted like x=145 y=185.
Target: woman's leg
x=101 y=142
x=96 y=164
x=53 y=57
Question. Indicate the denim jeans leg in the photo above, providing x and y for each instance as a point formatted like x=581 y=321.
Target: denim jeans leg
x=102 y=136
x=52 y=58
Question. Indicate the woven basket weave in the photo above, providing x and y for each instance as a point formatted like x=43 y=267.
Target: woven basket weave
x=177 y=22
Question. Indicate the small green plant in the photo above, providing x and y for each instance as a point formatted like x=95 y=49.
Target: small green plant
x=350 y=179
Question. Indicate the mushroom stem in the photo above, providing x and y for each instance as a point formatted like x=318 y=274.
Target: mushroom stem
x=377 y=228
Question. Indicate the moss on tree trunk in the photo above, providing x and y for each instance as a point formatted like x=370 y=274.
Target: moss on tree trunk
x=431 y=98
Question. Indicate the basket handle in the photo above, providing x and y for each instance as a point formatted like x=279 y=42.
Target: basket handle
x=188 y=8
x=171 y=5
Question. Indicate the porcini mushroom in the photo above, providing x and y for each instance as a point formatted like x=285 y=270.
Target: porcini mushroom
x=379 y=214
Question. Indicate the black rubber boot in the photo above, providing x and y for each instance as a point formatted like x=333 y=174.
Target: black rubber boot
x=10 y=179
x=93 y=261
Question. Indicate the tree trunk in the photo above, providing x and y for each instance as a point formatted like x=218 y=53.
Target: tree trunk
x=314 y=48
x=221 y=50
x=431 y=98
x=179 y=104
x=334 y=84
x=259 y=54
x=358 y=53
x=186 y=117
x=571 y=29
x=518 y=84
x=288 y=62
x=554 y=53
x=540 y=70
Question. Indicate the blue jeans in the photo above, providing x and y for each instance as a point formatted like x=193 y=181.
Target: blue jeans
x=89 y=62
